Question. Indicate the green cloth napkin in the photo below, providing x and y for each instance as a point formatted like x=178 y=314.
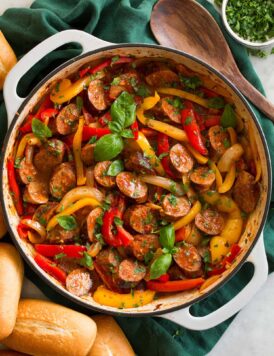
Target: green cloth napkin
x=125 y=21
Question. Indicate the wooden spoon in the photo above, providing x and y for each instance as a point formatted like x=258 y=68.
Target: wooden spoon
x=187 y=26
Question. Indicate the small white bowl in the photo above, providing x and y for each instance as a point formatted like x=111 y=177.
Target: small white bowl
x=249 y=44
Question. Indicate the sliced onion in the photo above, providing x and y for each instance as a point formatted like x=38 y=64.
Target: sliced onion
x=29 y=151
x=90 y=177
x=163 y=182
x=36 y=226
x=79 y=193
x=94 y=249
x=35 y=238
x=232 y=154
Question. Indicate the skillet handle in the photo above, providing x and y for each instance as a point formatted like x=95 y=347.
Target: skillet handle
x=184 y=318
x=12 y=100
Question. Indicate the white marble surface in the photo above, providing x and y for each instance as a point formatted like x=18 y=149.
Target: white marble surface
x=251 y=332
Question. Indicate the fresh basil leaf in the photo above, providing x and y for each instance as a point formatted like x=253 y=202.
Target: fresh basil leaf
x=79 y=103
x=190 y=82
x=127 y=133
x=86 y=260
x=167 y=236
x=59 y=255
x=143 y=90
x=216 y=102
x=228 y=118
x=115 y=168
x=40 y=130
x=123 y=110
x=115 y=127
x=108 y=147
x=160 y=266
x=67 y=222
x=92 y=140
x=118 y=221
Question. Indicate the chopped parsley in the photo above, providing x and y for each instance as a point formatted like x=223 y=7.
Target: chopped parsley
x=86 y=260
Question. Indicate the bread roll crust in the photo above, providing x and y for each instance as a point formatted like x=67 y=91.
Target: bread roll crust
x=7 y=59
x=110 y=339
x=11 y=280
x=47 y=329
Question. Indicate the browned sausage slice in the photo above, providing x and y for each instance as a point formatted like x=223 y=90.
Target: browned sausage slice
x=143 y=244
x=109 y=260
x=91 y=222
x=36 y=193
x=67 y=120
x=45 y=212
x=27 y=172
x=210 y=221
x=58 y=235
x=189 y=260
x=126 y=81
x=161 y=78
x=87 y=153
x=100 y=174
x=131 y=271
x=49 y=156
x=203 y=176
x=62 y=180
x=218 y=138
x=131 y=186
x=138 y=163
x=181 y=159
x=141 y=218
x=175 y=207
x=97 y=95
x=78 y=282
x=170 y=110
x=246 y=192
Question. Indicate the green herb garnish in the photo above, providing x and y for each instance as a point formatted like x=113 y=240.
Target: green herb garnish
x=67 y=222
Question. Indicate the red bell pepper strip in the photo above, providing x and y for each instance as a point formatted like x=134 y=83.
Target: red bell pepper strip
x=26 y=128
x=212 y=120
x=46 y=104
x=135 y=129
x=105 y=119
x=163 y=148
x=72 y=251
x=88 y=132
x=208 y=93
x=17 y=199
x=180 y=234
x=48 y=113
x=124 y=236
x=108 y=221
x=189 y=105
x=227 y=261
x=50 y=267
x=149 y=132
x=163 y=278
x=175 y=286
x=193 y=131
x=83 y=72
x=22 y=231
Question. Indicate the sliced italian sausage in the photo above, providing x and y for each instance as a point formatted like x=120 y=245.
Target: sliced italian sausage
x=87 y=154
x=131 y=271
x=218 y=138
x=189 y=260
x=246 y=192
x=143 y=244
x=49 y=156
x=210 y=221
x=45 y=212
x=124 y=82
x=58 y=235
x=27 y=172
x=136 y=162
x=175 y=273
x=131 y=186
x=141 y=218
x=68 y=264
x=203 y=176
x=67 y=120
x=181 y=159
x=36 y=193
x=162 y=77
x=170 y=110
x=79 y=282
x=91 y=222
x=109 y=260
x=175 y=207
x=63 y=179
x=97 y=95
x=100 y=174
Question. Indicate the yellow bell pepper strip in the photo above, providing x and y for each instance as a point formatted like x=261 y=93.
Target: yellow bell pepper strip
x=219 y=247
x=189 y=217
x=22 y=145
x=222 y=202
x=255 y=154
x=185 y=95
x=232 y=135
x=229 y=180
x=219 y=178
x=71 y=209
x=150 y=154
x=226 y=262
x=199 y=158
x=150 y=102
x=76 y=145
x=139 y=298
x=208 y=282
x=67 y=92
